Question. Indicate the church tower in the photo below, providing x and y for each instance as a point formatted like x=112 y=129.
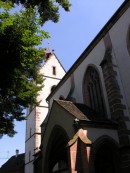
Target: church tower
x=52 y=72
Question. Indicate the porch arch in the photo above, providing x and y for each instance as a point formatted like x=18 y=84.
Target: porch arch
x=104 y=156
x=56 y=154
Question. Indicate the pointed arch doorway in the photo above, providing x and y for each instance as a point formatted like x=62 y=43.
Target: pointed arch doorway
x=105 y=157
x=56 y=152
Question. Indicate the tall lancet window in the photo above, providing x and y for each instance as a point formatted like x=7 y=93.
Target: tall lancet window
x=92 y=91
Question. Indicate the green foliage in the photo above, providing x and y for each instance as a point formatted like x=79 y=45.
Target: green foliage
x=20 y=35
x=48 y=9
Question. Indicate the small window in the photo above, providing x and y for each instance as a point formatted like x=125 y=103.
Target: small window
x=29 y=156
x=30 y=132
x=54 y=70
x=61 y=98
x=53 y=87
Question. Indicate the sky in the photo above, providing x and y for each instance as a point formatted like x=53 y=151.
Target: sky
x=69 y=38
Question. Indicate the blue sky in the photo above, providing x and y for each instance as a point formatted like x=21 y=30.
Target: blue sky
x=69 y=38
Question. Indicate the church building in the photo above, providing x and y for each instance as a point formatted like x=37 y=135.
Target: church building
x=86 y=128
x=52 y=72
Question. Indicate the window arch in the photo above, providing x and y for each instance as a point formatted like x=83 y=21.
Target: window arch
x=61 y=97
x=57 y=159
x=101 y=159
x=93 y=96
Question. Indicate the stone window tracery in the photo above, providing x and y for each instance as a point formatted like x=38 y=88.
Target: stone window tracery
x=93 y=92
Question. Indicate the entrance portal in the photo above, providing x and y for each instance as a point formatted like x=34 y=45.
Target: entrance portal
x=106 y=158
x=56 y=152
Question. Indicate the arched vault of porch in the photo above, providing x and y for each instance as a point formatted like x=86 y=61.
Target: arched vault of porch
x=56 y=150
x=104 y=155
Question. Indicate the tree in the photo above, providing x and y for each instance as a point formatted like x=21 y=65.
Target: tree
x=20 y=35
x=48 y=9
x=20 y=81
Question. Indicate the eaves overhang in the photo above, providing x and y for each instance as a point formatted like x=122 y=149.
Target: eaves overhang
x=106 y=124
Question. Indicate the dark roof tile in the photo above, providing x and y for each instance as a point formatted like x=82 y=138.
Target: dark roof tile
x=72 y=109
x=13 y=164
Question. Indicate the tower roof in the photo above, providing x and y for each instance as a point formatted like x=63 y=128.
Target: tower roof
x=48 y=53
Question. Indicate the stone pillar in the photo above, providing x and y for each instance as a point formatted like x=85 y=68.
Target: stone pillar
x=117 y=109
x=115 y=97
x=112 y=87
x=79 y=150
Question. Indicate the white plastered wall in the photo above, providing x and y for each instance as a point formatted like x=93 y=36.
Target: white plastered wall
x=29 y=143
x=37 y=116
x=30 y=124
x=94 y=58
x=49 y=78
x=94 y=133
x=121 y=58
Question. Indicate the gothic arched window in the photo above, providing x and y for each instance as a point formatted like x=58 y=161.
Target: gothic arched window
x=92 y=91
